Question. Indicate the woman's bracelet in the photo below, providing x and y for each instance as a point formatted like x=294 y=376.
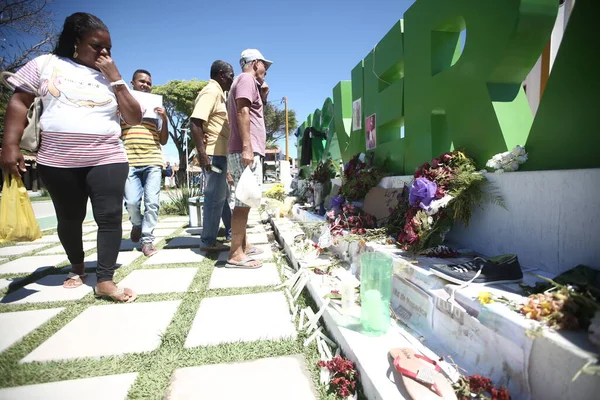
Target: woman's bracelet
x=117 y=83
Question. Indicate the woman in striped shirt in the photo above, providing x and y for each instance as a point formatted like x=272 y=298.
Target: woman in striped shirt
x=81 y=156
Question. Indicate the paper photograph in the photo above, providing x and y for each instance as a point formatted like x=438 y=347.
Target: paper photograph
x=356 y=115
x=371 y=132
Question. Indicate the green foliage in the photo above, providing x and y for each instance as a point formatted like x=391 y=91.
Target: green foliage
x=178 y=100
x=27 y=30
x=178 y=201
x=275 y=121
x=277 y=192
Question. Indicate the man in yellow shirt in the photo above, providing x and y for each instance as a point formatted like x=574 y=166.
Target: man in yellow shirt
x=143 y=145
x=210 y=132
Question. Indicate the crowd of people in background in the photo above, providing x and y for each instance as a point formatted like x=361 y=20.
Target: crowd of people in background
x=99 y=143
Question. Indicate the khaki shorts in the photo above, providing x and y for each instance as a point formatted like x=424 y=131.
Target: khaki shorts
x=235 y=168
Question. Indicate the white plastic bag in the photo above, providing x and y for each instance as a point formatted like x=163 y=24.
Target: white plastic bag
x=248 y=190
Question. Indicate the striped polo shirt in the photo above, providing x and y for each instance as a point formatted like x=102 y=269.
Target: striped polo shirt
x=142 y=142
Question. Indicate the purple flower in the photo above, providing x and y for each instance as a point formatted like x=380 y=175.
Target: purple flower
x=336 y=202
x=422 y=192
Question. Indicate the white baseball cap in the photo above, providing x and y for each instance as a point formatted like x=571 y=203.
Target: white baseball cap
x=251 y=55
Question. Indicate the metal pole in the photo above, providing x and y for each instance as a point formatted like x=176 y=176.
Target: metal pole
x=187 y=157
x=287 y=148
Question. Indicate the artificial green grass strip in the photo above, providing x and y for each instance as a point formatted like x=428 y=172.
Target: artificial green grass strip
x=155 y=369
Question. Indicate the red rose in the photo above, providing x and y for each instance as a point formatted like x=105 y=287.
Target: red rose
x=446 y=157
x=435 y=163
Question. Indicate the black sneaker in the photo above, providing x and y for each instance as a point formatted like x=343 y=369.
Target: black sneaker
x=501 y=269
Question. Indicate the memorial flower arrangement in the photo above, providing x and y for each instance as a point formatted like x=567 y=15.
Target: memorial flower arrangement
x=479 y=387
x=558 y=306
x=324 y=172
x=340 y=375
x=508 y=161
x=442 y=192
x=346 y=218
x=360 y=175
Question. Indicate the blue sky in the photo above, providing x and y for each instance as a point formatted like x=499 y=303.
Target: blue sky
x=314 y=44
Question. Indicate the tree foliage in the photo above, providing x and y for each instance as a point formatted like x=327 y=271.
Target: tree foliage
x=275 y=121
x=26 y=31
x=178 y=100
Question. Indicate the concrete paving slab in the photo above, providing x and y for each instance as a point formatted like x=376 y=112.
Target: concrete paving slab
x=114 y=387
x=262 y=316
x=60 y=250
x=176 y=256
x=266 y=379
x=31 y=264
x=16 y=325
x=168 y=280
x=222 y=277
x=49 y=288
x=18 y=250
x=143 y=333
x=182 y=241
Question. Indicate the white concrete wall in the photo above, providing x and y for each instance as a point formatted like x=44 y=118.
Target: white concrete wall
x=552 y=220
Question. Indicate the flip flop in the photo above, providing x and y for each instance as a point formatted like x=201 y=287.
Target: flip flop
x=421 y=376
x=114 y=295
x=78 y=279
x=243 y=264
x=254 y=251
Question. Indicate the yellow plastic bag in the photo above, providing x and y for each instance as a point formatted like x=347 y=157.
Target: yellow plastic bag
x=17 y=220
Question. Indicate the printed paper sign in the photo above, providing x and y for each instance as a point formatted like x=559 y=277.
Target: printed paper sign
x=357 y=114
x=149 y=102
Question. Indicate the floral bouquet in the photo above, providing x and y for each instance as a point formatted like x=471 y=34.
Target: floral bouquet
x=324 y=172
x=341 y=376
x=479 y=387
x=508 y=161
x=345 y=217
x=360 y=176
x=441 y=193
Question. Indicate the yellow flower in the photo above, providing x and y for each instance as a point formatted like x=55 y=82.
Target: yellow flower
x=485 y=298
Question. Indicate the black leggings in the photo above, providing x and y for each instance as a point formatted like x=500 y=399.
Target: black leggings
x=70 y=189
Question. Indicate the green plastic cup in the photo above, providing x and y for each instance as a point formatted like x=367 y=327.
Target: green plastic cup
x=375 y=292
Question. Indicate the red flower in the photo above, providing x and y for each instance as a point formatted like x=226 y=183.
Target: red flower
x=479 y=384
x=446 y=157
x=440 y=193
x=435 y=163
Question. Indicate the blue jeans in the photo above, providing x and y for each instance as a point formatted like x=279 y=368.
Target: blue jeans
x=143 y=182
x=215 y=196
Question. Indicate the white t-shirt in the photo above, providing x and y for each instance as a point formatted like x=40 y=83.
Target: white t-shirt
x=80 y=120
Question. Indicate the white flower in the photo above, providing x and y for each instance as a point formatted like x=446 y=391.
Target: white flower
x=511 y=166
x=499 y=171
x=325 y=238
x=430 y=220
x=521 y=159
x=518 y=151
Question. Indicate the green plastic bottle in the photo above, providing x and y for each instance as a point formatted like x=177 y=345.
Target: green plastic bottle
x=375 y=292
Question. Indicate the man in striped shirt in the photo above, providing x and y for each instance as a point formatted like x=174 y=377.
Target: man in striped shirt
x=142 y=143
